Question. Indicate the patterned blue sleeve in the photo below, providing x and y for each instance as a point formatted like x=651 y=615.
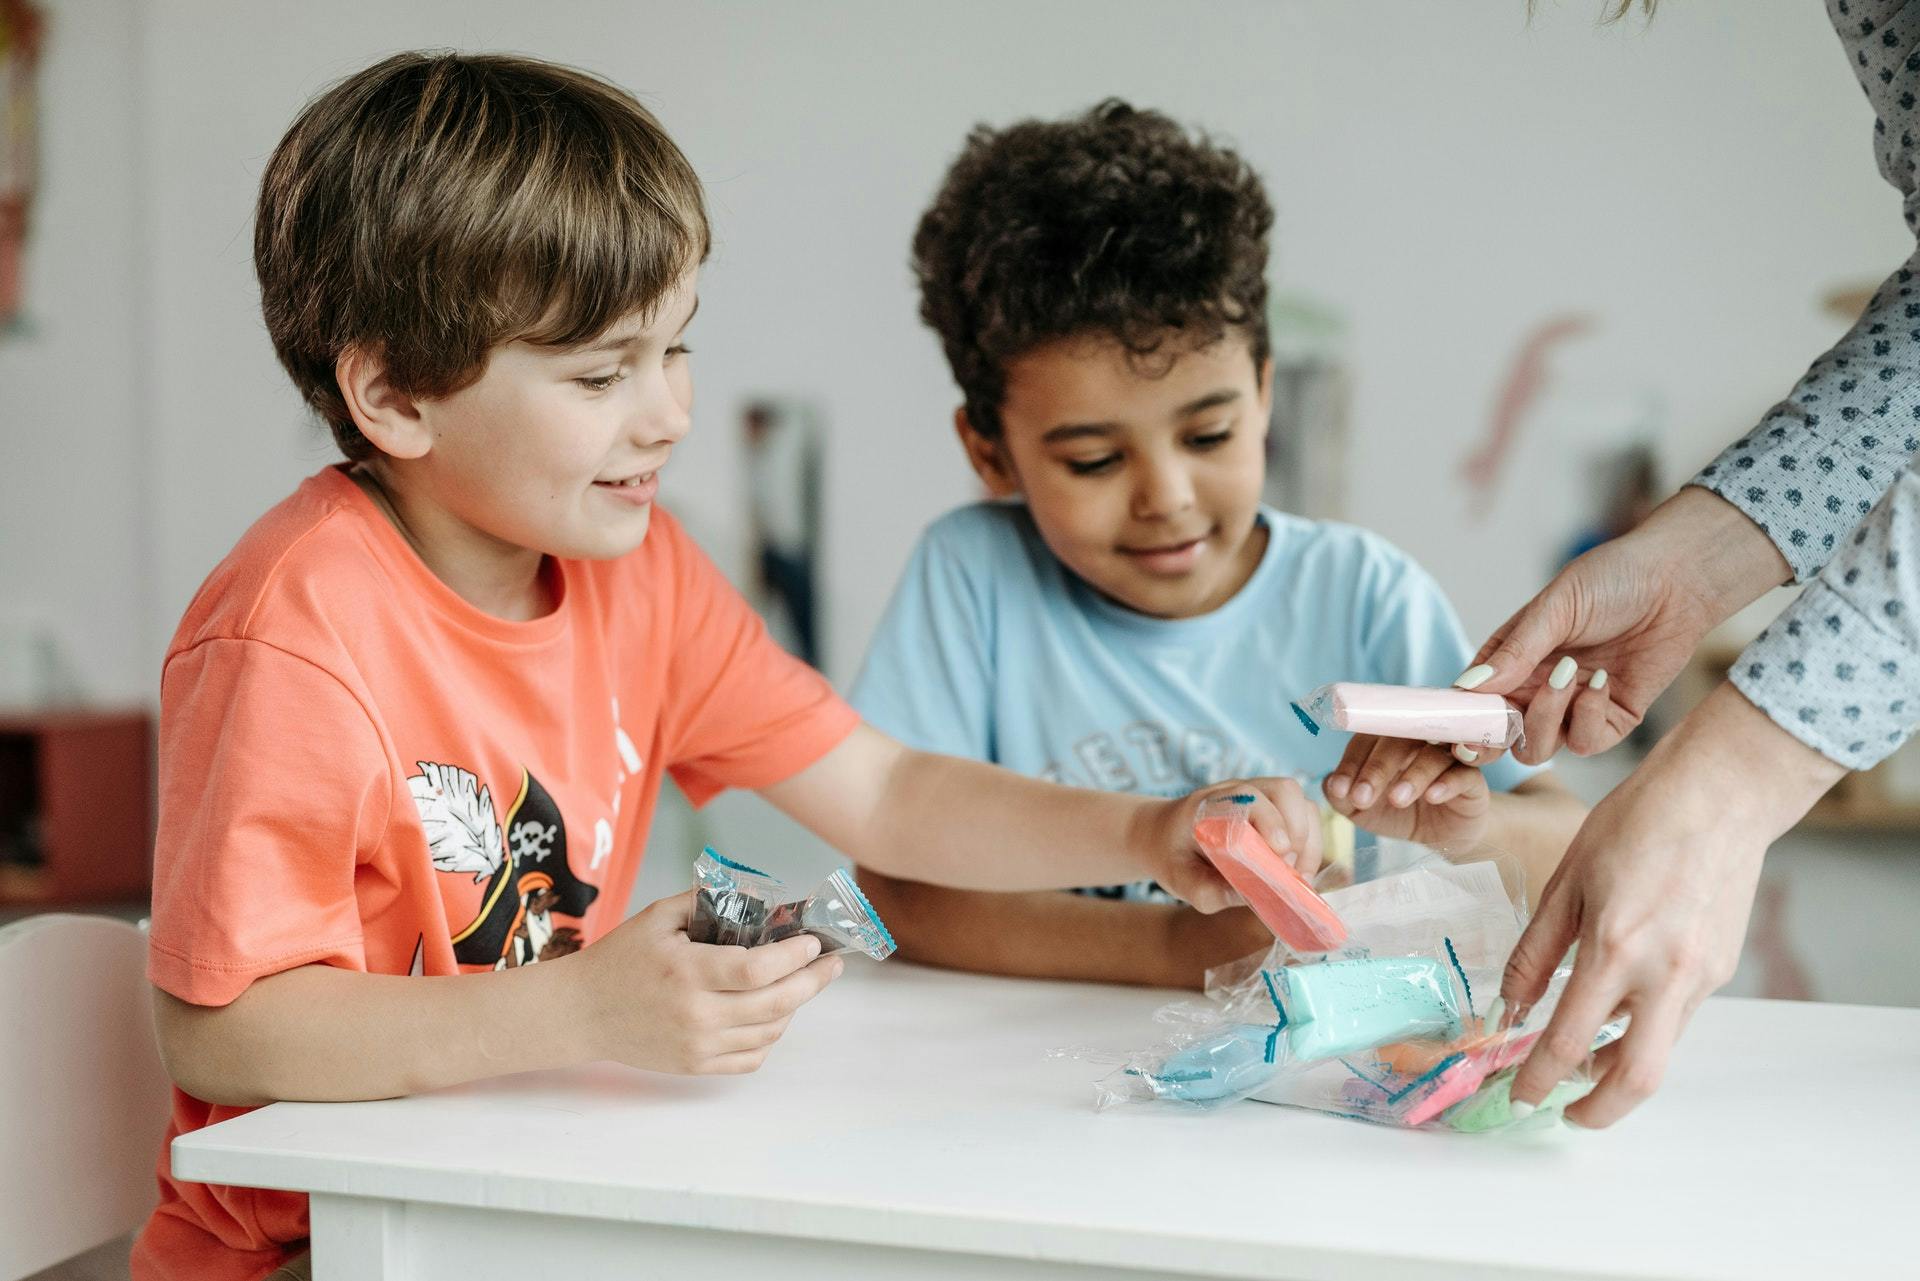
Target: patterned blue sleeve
x=1840 y=668
x=1821 y=458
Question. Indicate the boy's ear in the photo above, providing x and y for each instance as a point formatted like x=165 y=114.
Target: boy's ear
x=386 y=416
x=988 y=457
x=1266 y=396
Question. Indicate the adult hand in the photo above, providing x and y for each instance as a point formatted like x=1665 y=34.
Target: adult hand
x=1588 y=655
x=1656 y=889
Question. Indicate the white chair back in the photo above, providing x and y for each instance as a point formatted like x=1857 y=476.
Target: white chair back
x=83 y=1099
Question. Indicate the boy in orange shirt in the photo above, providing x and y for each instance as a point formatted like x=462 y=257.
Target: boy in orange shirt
x=413 y=727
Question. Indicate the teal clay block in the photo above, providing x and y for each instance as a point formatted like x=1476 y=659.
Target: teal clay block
x=1491 y=1107
x=1336 y=1008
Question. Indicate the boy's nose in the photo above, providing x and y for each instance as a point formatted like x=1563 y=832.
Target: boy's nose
x=662 y=418
x=1163 y=491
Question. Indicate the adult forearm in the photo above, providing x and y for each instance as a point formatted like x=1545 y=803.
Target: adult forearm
x=324 y=1034
x=1726 y=560
x=1729 y=749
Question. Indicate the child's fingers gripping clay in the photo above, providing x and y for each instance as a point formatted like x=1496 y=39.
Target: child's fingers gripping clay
x=1278 y=894
x=1407 y=711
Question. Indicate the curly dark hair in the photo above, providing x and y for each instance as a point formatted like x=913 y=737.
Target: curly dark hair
x=1117 y=222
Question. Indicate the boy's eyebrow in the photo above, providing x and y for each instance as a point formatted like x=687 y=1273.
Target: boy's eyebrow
x=614 y=342
x=1074 y=431
x=1212 y=400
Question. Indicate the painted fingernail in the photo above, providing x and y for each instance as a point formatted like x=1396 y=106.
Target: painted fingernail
x=1563 y=672
x=1337 y=785
x=1402 y=795
x=1520 y=1111
x=1464 y=754
x=1363 y=795
x=1474 y=676
x=1599 y=680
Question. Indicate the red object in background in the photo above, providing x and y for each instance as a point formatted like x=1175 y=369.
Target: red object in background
x=1526 y=379
x=76 y=807
x=23 y=30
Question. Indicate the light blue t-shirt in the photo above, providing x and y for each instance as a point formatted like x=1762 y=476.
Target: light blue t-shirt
x=994 y=650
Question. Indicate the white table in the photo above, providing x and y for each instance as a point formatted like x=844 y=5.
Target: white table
x=909 y=1127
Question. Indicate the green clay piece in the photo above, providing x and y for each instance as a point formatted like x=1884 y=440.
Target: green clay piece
x=1491 y=1107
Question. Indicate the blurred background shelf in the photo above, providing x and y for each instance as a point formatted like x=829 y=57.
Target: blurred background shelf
x=76 y=806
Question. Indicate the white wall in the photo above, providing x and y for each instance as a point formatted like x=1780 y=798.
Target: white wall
x=75 y=494
x=1445 y=173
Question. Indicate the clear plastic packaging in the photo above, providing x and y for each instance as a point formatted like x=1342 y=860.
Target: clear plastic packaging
x=1410 y=711
x=740 y=906
x=1278 y=894
x=1401 y=1026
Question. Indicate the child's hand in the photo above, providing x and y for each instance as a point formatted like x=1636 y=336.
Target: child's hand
x=655 y=1000
x=1414 y=791
x=1201 y=943
x=1281 y=813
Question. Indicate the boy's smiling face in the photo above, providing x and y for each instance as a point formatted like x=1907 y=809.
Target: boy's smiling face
x=552 y=451
x=1143 y=478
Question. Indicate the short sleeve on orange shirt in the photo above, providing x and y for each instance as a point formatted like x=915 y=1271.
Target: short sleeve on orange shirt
x=273 y=786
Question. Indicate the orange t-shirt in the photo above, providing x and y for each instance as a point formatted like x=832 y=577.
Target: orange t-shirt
x=360 y=769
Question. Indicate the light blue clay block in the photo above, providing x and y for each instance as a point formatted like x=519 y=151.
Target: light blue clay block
x=1491 y=1107
x=1238 y=1061
x=1341 y=1007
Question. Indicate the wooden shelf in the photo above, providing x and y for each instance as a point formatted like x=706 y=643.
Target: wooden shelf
x=76 y=806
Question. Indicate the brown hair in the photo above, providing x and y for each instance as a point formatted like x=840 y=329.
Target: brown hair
x=435 y=205
x=1612 y=10
x=1116 y=222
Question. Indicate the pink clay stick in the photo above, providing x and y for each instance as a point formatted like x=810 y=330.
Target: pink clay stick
x=1410 y=711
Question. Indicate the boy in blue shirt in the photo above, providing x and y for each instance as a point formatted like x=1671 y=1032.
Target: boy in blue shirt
x=1129 y=615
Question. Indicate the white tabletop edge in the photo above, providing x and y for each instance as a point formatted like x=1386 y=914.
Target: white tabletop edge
x=1038 y=1240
